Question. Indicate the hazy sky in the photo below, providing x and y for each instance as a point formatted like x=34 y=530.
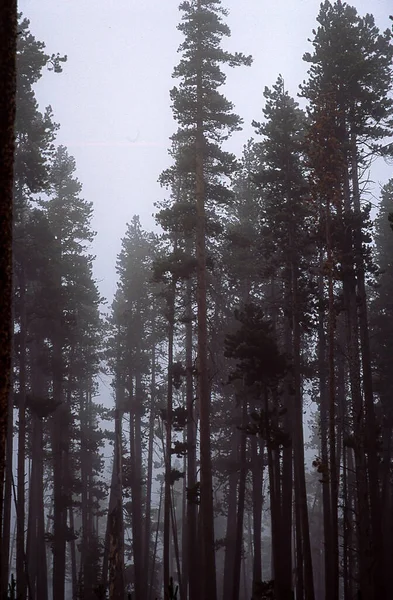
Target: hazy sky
x=112 y=99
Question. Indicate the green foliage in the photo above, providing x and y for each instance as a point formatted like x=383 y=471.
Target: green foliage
x=199 y=68
x=352 y=64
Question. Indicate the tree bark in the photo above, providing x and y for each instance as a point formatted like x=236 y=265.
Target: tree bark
x=8 y=38
x=168 y=444
x=240 y=507
x=147 y=532
x=115 y=520
x=21 y=583
x=192 y=500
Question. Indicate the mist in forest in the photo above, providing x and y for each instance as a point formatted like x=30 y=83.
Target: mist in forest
x=197 y=403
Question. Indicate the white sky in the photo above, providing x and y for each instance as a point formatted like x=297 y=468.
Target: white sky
x=112 y=99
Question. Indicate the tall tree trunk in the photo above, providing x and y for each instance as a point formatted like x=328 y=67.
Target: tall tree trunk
x=301 y=496
x=240 y=506
x=5 y=531
x=257 y=458
x=136 y=484
x=230 y=537
x=287 y=483
x=380 y=566
x=147 y=532
x=153 y=567
x=8 y=37
x=36 y=546
x=21 y=489
x=192 y=500
x=115 y=519
x=333 y=468
x=299 y=549
x=74 y=577
x=168 y=443
x=209 y=590
x=352 y=342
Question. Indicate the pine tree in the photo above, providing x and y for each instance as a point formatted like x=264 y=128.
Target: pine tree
x=349 y=84
x=206 y=119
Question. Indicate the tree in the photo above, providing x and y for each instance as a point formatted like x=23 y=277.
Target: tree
x=206 y=119
x=349 y=82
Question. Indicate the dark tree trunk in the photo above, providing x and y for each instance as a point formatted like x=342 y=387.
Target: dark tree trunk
x=257 y=504
x=6 y=529
x=298 y=441
x=115 y=520
x=380 y=565
x=168 y=443
x=207 y=545
x=192 y=506
x=136 y=486
x=240 y=507
x=21 y=489
x=147 y=532
x=230 y=537
x=8 y=37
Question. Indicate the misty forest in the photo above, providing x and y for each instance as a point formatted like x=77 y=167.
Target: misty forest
x=222 y=428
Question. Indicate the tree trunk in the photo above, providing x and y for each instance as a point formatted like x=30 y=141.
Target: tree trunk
x=257 y=503
x=21 y=489
x=74 y=577
x=209 y=590
x=240 y=507
x=301 y=496
x=168 y=444
x=136 y=486
x=192 y=499
x=115 y=520
x=333 y=468
x=6 y=529
x=147 y=533
x=381 y=567
x=230 y=537
x=8 y=37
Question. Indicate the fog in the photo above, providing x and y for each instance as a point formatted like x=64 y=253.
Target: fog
x=196 y=318
x=112 y=100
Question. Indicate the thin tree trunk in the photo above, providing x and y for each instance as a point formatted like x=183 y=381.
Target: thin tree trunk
x=257 y=503
x=21 y=489
x=74 y=577
x=136 y=485
x=115 y=520
x=240 y=507
x=230 y=537
x=147 y=533
x=153 y=577
x=333 y=470
x=6 y=529
x=301 y=496
x=192 y=500
x=168 y=443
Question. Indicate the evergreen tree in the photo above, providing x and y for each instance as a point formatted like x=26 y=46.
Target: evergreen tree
x=348 y=89
x=205 y=118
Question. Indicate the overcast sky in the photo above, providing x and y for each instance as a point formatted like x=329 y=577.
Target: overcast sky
x=112 y=99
